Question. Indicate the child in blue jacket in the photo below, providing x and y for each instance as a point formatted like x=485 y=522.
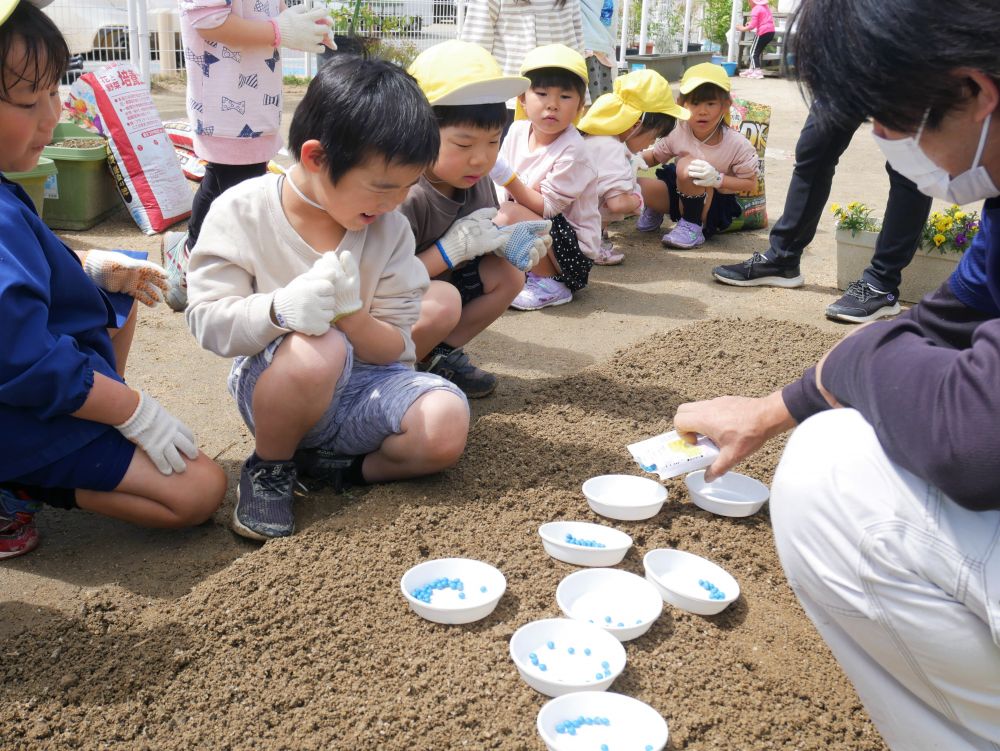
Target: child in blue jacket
x=73 y=433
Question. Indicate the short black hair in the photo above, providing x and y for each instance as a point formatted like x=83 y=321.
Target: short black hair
x=481 y=116
x=893 y=59
x=359 y=109
x=543 y=78
x=706 y=92
x=45 y=54
x=658 y=123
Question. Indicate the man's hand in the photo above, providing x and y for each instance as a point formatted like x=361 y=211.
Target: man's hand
x=739 y=426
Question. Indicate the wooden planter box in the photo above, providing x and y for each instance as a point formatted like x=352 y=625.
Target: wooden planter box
x=671 y=66
x=928 y=270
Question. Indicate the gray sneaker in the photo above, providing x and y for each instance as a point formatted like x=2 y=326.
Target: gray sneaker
x=862 y=303
x=457 y=368
x=264 y=500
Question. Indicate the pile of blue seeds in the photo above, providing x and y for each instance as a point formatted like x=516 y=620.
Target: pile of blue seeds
x=714 y=593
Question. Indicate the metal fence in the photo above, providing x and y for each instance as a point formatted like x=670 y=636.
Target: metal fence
x=147 y=32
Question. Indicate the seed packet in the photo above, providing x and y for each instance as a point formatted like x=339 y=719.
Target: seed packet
x=669 y=455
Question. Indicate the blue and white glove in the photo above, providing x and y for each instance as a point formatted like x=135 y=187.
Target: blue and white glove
x=525 y=243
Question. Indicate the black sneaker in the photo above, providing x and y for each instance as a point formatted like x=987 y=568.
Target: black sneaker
x=456 y=367
x=321 y=468
x=861 y=302
x=264 y=500
x=759 y=271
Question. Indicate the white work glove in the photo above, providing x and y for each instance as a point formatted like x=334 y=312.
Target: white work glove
x=117 y=272
x=161 y=435
x=304 y=28
x=704 y=174
x=347 y=287
x=525 y=243
x=470 y=237
x=307 y=303
x=638 y=162
x=502 y=173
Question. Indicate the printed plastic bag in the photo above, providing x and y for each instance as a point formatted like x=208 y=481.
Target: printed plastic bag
x=113 y=102
x=752 y=120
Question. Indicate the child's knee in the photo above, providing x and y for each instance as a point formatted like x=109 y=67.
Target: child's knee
x=196 y=493
x=310 y=360
x=446 y=416
x=441 y=305
x=512 y=213
x=500 y=275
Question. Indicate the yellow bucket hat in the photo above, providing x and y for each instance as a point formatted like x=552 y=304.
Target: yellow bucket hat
x=458 y=73
x=634 y=93
x=552 y=56
x=7 y=7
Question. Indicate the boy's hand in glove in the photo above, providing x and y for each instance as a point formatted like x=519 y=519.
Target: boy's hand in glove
x=304 y=28
x=470 y=237
x=307 y=303
x=347 y=286
x=704 y=174
x=525 y=243
x=117 y=272
x=161 y=435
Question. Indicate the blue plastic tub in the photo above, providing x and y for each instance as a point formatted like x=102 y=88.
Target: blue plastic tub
x=730 y=68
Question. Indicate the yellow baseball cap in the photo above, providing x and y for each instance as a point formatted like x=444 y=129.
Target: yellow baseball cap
x=552 y=56
x=634 y=94
x=456 y=73
x=7 y=7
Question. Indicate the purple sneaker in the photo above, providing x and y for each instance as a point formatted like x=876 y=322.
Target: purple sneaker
x=541 y=292
x=684 y=235
x=649 y=220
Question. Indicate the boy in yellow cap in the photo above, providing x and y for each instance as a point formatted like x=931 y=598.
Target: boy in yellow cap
x=639 y=110
x=476 y=268
x=549 y=175
x=712 y=164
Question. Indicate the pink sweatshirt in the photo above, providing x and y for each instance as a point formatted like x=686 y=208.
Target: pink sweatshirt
x=564 y=175
x=233 y=95
x=733 y=155
x=761 y=19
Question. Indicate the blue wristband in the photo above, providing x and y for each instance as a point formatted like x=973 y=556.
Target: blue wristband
x=444 y=255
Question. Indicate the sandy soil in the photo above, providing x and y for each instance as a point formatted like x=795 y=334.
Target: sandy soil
x=116 y=637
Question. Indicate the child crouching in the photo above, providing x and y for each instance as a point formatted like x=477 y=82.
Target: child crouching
x=310 y=281
x=545 y=173
x=618 y=125
x=713 y=164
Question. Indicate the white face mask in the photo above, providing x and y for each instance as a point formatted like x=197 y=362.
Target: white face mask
x=908 y=159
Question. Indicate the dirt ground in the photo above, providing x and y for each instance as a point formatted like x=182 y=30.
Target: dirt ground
x=123 y=638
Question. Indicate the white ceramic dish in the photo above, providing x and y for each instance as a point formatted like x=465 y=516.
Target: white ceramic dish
x=615 y=722
x=625 y=497
x=677 y=576
x=477 y=589
x=732 y=494
x=584 y=544
x=557 y=656
x=623 y=604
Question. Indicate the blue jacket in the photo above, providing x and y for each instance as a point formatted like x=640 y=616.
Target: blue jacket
x=53 y=338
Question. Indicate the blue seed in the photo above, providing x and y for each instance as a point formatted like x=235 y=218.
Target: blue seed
x=482 y=589
x=599 y=676
x=607 y=619
x=587 y=650
x=649 y=747
x=551 y=645
x=571 y=650
x=604 y=747
x=461 y=595
x=543 y=667
x=605 y=664
x=620 y=624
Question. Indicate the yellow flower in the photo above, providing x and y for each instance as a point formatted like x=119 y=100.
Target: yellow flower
x=960 y=215
x=948 y=222
x=853 y=205
x=938 y=239
x=954 y=207
x=940 y=225
x=834 y=207
x=935 y=215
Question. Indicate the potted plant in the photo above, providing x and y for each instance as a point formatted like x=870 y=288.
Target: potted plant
x=943 y=239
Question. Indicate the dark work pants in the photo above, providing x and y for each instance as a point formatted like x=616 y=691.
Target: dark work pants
x=218 y=179
x=816 y=155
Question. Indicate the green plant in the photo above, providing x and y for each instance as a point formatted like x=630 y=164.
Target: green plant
x=716 y=22
x=950 y=231
x=856 y=217
x=360 y=16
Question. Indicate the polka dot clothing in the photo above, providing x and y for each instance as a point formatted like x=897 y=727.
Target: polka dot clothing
x=600 y=79
x=574 y=266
